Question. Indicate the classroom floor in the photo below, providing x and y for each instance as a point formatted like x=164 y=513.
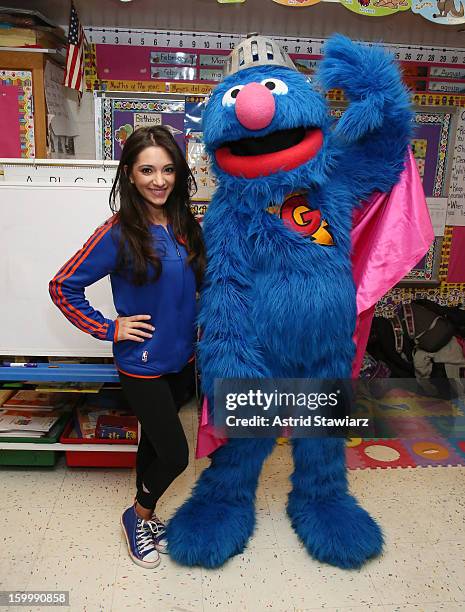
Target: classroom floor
x=60 y=531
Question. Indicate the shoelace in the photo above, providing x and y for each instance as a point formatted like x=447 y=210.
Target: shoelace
x=144 y=535
x=157 y=527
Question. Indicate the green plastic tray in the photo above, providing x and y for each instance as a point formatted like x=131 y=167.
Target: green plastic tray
x=35 y=457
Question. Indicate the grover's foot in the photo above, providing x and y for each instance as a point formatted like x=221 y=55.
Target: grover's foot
x=336 y=531
x=207 y=532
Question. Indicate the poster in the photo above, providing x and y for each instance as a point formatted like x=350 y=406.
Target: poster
x=376 y=8
x=297 y=2
x=456 y=268
x=437 y=208
x=121 y=116
x=431 y=146
x=21 y=80
x=456 y=208
x=442 y=12
x=60 y=117
x=10 y=143
x=198 y=161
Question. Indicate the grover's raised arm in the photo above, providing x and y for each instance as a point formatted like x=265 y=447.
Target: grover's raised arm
x=376 y=127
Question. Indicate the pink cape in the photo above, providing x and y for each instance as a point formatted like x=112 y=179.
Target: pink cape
x=391 y=232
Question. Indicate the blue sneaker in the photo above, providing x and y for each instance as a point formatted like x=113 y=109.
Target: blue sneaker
x=140 y=539
x=159 y=534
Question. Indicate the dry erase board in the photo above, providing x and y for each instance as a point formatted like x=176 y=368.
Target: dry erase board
x=41 y=227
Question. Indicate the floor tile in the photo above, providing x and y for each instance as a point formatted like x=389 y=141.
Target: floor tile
x=343 y=609
x=264 y=535
x=252 y=581
x=410 y=572
x=167 y=587
x=285 y=535
x=23 y=530
x=15 y=570
x=421 y=481
x=448 y=606
x=452 y=555
x=449 y=519
x=94 y=530
x=313 y=584
x=90 y=579
x=403 y=519
x=21 y=485
x=94 y=486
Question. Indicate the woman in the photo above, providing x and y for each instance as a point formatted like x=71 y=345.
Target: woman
x=152 y=249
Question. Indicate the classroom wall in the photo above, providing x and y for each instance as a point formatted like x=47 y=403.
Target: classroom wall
x=263 y=16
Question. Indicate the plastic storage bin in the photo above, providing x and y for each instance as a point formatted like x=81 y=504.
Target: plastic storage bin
x=44 y=458
x=97 y=458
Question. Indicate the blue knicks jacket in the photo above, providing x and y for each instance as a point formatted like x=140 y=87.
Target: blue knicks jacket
x=170 y=301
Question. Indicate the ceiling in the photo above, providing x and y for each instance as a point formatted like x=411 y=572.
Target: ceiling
x=263 y=16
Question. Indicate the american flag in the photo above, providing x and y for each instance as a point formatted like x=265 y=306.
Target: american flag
x=74 y=74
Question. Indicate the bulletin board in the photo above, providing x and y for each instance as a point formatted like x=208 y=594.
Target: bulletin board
x=17 y=110
x=433 y=148
x=119 y=114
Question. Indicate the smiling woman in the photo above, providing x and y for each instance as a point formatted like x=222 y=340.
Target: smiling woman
x=152 y=249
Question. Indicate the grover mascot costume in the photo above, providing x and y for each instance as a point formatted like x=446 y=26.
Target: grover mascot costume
x=279 y=298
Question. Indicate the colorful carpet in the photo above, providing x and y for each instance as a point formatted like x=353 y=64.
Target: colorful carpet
x=416 y=432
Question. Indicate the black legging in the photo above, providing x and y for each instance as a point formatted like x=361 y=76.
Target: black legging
x=163 y=453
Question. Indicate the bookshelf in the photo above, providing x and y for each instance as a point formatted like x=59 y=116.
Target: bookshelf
x=45 y=372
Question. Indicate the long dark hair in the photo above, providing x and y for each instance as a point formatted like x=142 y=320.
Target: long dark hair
x=135 y=248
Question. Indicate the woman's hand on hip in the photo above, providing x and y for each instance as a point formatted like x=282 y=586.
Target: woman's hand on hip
x=134 y=328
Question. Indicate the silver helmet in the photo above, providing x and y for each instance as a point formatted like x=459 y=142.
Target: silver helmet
x=256 y=50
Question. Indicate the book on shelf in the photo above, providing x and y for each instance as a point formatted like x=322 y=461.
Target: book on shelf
x=5 y=395
x=106 y=403
x=116 y=427
x=35 y=426
x=40 y=401
x=26 y=412
x=69 y=387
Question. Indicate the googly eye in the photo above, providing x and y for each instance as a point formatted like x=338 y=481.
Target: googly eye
x=276 y=86
x=229 y=98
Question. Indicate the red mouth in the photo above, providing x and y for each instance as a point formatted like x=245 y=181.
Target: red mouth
x=264 y=164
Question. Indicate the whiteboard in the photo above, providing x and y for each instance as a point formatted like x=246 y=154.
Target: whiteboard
x=41 y=227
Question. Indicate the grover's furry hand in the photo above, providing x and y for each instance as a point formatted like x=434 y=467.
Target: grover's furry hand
x=370 y=80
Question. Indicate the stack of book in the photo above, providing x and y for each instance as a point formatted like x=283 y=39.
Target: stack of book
x=31 y=414
x=29 y=28
x=104 y=404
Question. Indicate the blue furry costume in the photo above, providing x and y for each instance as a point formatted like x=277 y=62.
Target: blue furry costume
x=279 y=296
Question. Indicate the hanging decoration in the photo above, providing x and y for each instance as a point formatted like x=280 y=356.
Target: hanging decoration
x=376 y=8
x=297 y=2
x=442 y=12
